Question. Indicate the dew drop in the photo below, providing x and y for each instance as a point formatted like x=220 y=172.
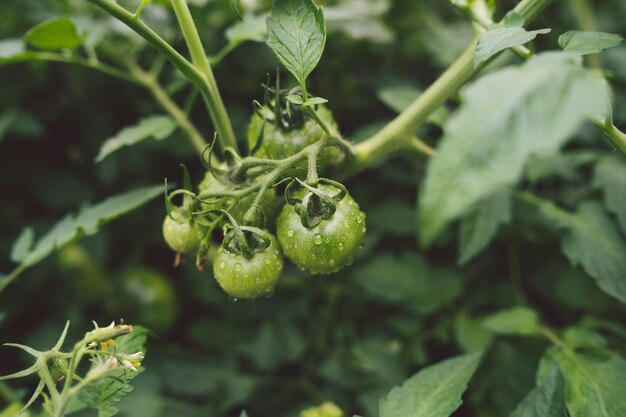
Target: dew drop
x=331 y=262
x=358 y=220
x=318 y=239
x=290 y=233
x=340 y=246
x=267 y=261
x=238 y=266
x=222 y=265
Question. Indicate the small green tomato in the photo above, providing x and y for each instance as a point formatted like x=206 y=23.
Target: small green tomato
x=240 y=277
x=328 y=246
x=180 y=234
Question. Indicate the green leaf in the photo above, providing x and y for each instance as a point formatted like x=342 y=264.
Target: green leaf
x=610 y=175
x=594 y=384
x=86 y=222
x=295 y=99
x=480 y=225
x=234 y=4
x=157 y=127
x=577 y=337
x=134 y=341
x=513 y=321
x=434 y=391
x=54 y=34
x=360 y=20
x=584 y=43
x=297 y=34
x=22 y=244
x=104 y=395
x=496 y=130
x=470 y=335
x=407 y=279
x=498 y=39
x=592 y=240
x=314 y=101
x=546 y=399
x=251 y=28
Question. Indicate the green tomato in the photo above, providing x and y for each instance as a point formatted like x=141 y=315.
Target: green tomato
x=328 y=246
x=279 y=143
x=249 y=278
x=145 y=296
x=181 y=235
x=83 y=275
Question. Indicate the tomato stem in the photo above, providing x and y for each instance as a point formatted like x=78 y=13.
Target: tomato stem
x=396 y=134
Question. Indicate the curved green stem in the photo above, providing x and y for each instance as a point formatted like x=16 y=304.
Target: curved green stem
x=406 y=123
x=149 y=81
x=616 y=136
x=164 y=48
x=200 y=60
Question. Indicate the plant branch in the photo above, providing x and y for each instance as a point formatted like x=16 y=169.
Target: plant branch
x=616 y=136
x=226 y=135
x=87 y=63
x=153 y=38
x=160 y=95
x=407 y=122
x=189 y=70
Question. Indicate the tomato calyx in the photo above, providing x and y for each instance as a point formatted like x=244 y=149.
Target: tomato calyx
x=316 y=205
x=244 y=240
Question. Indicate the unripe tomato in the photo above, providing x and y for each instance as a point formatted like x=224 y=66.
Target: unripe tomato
x=279 y=143
x=328 y=246
x=180 y=234
x=144 y=296
x=249 y=278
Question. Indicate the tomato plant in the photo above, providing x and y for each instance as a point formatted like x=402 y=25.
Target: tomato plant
x=450 y=180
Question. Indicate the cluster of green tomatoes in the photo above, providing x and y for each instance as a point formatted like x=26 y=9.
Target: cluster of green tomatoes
x=318 y=225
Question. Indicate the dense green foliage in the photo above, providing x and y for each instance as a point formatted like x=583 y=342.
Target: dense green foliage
x=490 y=282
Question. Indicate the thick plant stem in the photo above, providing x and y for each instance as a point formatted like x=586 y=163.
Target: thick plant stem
x=226 y=135
x=616 y=136
x=160 y=95
x=390 y=138
x=403 y=126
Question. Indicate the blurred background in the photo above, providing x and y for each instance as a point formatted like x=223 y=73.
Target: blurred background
x=346 y=338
